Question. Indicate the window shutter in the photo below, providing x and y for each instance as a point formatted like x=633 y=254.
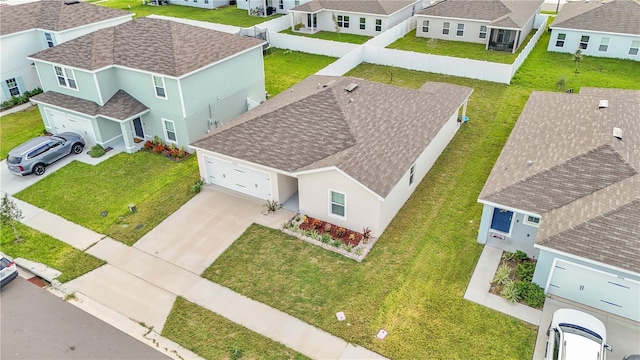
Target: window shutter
x=21 y=86
x=5 y=90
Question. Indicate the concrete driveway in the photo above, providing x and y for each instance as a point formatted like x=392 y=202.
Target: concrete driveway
x=195 y=235
x=622 y=334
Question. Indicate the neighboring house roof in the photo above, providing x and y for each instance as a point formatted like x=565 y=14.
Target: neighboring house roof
x=617 y=16
x=53 y=15
x=154 y=45
x=387 y=7
x=562 y=162
x=373 y=133
x=121 y=106
x=499 y=13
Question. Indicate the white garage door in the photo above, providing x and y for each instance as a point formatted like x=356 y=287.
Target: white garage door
x=597 y=289
x=63 y=122
x=239 y=178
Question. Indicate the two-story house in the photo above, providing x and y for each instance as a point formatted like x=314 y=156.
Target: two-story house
x=146 y=78
x=31 y=27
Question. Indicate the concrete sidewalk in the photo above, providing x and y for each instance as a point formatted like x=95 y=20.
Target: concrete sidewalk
x=143 y=287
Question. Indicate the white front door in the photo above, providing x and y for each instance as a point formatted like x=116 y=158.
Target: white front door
x=238 y=178
x=63 y=122
x=597 y=289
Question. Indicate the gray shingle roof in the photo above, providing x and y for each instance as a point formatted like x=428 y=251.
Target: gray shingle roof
x=506 y=13
x=53 y=15
x=617 y=16
x=154 y=45
x=563 y=162
x=373 y=133
x=378 y=7
x=121 y=106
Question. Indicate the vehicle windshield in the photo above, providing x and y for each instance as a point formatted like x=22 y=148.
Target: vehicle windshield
x=59 y=138
x=4 y=262
x=579 y=330
x=13 y=159
x=580 y=343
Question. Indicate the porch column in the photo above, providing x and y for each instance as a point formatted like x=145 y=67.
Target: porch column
x=127 y=136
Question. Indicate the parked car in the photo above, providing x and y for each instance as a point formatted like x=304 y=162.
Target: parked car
x=34 y=155
x=8 y=270
x=576 y=335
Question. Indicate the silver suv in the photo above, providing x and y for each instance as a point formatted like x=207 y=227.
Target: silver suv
x=34 y=155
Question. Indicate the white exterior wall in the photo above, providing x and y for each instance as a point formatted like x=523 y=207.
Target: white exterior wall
x=471 y=29
x=13 y=59
x=402 y=15
x=401 y=192
x=70 y=34
x=619 y=45
x=208 y=4
x=526 y=29
x=362 y=207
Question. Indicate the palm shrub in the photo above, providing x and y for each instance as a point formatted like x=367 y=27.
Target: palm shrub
x=502 y=275
x=510 y=292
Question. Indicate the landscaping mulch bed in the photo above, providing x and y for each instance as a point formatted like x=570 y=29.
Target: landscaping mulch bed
x=348 y=237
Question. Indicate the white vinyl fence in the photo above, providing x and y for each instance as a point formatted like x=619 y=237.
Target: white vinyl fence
x=311 y=45
x=542 y=27
x=203 y=24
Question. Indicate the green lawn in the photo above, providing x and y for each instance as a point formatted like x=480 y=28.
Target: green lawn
x=413 y=281
x=80 y=192
x=228 y=15
x=19 y=127
x=221 y=338
x=44 y=249
x=331 y=35
x=411 y=42
x=284 y=68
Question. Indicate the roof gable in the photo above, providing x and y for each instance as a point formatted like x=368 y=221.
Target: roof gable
x=617 y=16
x=53 y=15
x=136 y=44
x=379 y=7
x=120 y=106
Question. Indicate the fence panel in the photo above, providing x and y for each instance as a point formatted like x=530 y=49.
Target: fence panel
x=344 y=64
x=311 y=45
x=203 y=24
x=393 y=34
x=529 y=47
x=277 y=24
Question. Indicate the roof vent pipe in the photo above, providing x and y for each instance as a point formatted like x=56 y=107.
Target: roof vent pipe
x=617 y=133
x=603 y=104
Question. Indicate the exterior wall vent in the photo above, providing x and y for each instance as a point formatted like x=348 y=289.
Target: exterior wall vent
x=351 y=87
x=603 y=104
x=617 y=133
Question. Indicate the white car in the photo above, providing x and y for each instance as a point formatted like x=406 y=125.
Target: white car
x=575 y=335
x=8 y=270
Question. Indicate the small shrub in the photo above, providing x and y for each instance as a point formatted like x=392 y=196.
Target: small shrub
x=325 y=238
x=348 y=247
x=236 y=353
x=158 y=148
x=358 y=251
x=157 y=140
x=336 y=243
x=530 y=293
x=352 y=237
x=313 y=234
x=508 y=256
x=148 y=145
x=366 y=235
x=561 y=84
x=520 y=256
x=327 y=227
x=272 y=206
x=340 y=232
x=510 y=292
x=525 y=271
x=297 y=218
x=96 y=151
x=196 y=188
x=502 y=275
x=316 y=224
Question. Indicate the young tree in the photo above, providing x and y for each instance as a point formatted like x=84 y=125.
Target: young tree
x=9 y=214
x=335 y=24
x=577 y=58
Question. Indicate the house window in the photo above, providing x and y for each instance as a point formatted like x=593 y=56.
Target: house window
x=12 y=85
x=604 y=44
x=195 y=1
x=169 y=130
x=343 y=21
x=531 y=220
x=363 y=23
x=483 y=32
x=635 y=45
x=338 y=203
x=49 y=38
x=296 y=3
x=460 y=31
x=206 y=1
x=425 y=26
x=560 y=41
x=378 y=24
x=66 y=77
x=445 y=28
x=158 y=83
x=281 y=5
x=584 y=41
x=411 y=173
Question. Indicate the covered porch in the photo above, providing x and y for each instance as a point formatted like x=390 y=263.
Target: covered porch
x=503 y=39
x=304 y=22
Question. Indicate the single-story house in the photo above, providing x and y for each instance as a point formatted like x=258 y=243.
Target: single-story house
x=566 y=190
x=148 y=77
x=362 y=17
x=35 y=26
x=500 y=25
x=605 y=29
x=340 y=149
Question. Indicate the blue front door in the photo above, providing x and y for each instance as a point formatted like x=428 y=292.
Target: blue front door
x=501 y=220
x=137 y=127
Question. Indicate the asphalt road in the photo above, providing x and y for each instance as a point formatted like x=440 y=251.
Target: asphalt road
x=35 y=324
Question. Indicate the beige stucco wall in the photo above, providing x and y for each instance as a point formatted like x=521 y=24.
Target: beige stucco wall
x=471 y=29
x=287 y=186
x=362 y=207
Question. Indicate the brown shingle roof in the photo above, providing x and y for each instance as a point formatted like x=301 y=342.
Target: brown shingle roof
x=506 y=13
x=562 y=161
x=617 y=16
x=121 y=106
x=312 y=127
x=378 y=7
x=53 y=15
x=154 y=45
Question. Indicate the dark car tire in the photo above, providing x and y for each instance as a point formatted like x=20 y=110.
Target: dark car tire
x=77 y=148
x=38 y=169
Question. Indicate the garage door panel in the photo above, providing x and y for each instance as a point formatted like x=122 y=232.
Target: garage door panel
x=63 y=122
x=238 y=178
x=601 y=290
